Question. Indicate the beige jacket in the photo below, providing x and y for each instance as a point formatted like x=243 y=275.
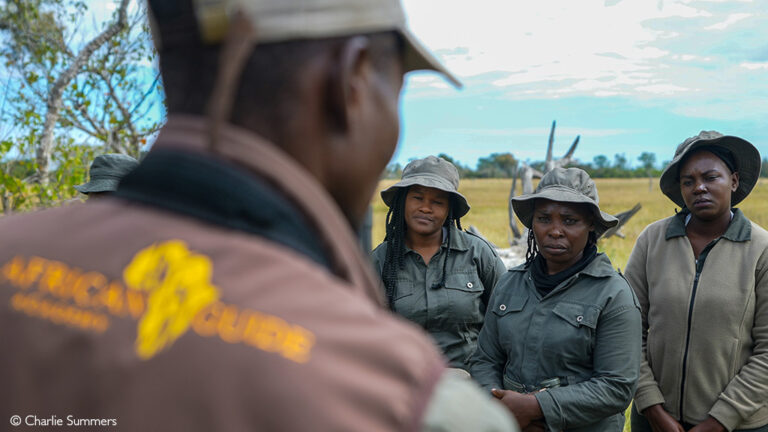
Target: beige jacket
x=705 y=339
x=152 y=319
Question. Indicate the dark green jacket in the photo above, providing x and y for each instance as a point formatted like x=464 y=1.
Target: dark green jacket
x=586 y=332
x=452 y=315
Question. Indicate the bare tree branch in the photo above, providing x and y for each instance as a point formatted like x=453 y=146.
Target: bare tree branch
x=54 y=101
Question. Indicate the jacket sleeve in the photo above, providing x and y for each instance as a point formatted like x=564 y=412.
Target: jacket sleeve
x=748 y=390
x=458 y=405
x=648 y=390
x=615 y=369
x=487 y=364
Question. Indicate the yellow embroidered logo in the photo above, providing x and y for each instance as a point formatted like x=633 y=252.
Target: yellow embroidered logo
x=166 y=287
x=179 y=286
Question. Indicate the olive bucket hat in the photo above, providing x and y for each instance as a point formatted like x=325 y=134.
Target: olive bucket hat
x=570 y=185
x=745 y=158
x=106 y=172
x=431 y=172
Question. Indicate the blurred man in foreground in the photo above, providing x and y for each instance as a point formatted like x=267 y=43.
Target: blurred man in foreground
x=222 y=288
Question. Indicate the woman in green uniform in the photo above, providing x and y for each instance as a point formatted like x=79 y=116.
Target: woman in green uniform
x=435 y=274
x=561 y=342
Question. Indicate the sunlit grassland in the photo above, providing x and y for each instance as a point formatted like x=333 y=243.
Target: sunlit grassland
x=488 y=199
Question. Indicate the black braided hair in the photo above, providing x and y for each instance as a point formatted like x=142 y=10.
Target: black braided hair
x=533 y=249
x=448 y=220
x=395 y=239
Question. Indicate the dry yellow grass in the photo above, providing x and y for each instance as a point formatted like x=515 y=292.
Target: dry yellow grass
x=488 y=198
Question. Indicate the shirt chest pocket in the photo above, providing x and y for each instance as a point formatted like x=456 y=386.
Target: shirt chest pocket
x=510 y=320
x=463 y=297
x=406 y=302
x=570 y=332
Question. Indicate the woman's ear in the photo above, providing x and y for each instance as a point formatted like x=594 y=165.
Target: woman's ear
x=734 y=181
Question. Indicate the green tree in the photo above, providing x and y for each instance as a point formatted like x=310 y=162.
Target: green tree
x=71 y=92
x=648 y=160
x=497 y=165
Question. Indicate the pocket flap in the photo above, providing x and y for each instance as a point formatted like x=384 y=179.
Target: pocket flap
x=509 y=304
x=578 y=314
x=463 y=282
x=404 y=288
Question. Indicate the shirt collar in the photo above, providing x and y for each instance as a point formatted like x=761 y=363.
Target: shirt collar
x=739 y=229
x=599 y=267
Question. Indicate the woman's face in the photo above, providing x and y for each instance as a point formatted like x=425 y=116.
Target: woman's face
x=707 y=184
x=426 y=209
x=561 y=230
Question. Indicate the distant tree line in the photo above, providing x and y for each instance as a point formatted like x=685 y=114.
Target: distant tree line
x=505 y=165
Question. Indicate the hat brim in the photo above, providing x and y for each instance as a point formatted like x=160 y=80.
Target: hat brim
x=462 y=206
x=524 y=206
x=98 y=185
x=747 y=161
x=418 y=57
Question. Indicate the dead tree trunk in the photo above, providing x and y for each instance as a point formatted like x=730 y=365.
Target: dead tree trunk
x=54 y=102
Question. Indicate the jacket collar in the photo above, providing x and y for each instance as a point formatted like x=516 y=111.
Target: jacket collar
x=267 y=162
x=458 y=242
x=739 y=230
x=600 y=267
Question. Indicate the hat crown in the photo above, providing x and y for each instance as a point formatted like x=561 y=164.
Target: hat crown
x=433 y=166
x=575 y=179
x=702 y=136
x=112 y=165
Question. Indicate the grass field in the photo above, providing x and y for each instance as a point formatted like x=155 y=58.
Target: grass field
x=488 y=198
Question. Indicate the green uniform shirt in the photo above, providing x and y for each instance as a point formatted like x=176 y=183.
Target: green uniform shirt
x=453 y=314
x=585 y=332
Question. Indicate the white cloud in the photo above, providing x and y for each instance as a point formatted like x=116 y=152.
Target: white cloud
x=596 y=48
x=662 y=89
x=754 y=66
x=732 y=19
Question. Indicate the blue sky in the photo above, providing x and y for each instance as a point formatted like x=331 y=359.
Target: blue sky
x=627 y=75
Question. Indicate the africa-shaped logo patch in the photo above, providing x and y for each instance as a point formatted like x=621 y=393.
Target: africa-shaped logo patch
x=178 y=283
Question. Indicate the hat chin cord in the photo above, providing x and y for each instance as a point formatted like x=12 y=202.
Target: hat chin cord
x=237 y=47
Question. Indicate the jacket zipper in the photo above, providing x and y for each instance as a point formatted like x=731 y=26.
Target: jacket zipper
x=699 y=265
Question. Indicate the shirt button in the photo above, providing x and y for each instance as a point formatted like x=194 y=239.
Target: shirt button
x=469 y=285
x=502 y=307
x=579 y=318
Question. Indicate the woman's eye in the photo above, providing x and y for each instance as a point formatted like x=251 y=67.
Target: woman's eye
x=542 y=219
x=570 y=221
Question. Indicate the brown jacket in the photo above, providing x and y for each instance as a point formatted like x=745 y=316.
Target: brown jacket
x=705 y=323
x=153 y=319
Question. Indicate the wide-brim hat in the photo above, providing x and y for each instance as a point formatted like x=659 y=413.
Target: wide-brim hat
x=569 y=185
x=284 y=20
x=431 y=172
x=106 y=171
x=745 y=156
